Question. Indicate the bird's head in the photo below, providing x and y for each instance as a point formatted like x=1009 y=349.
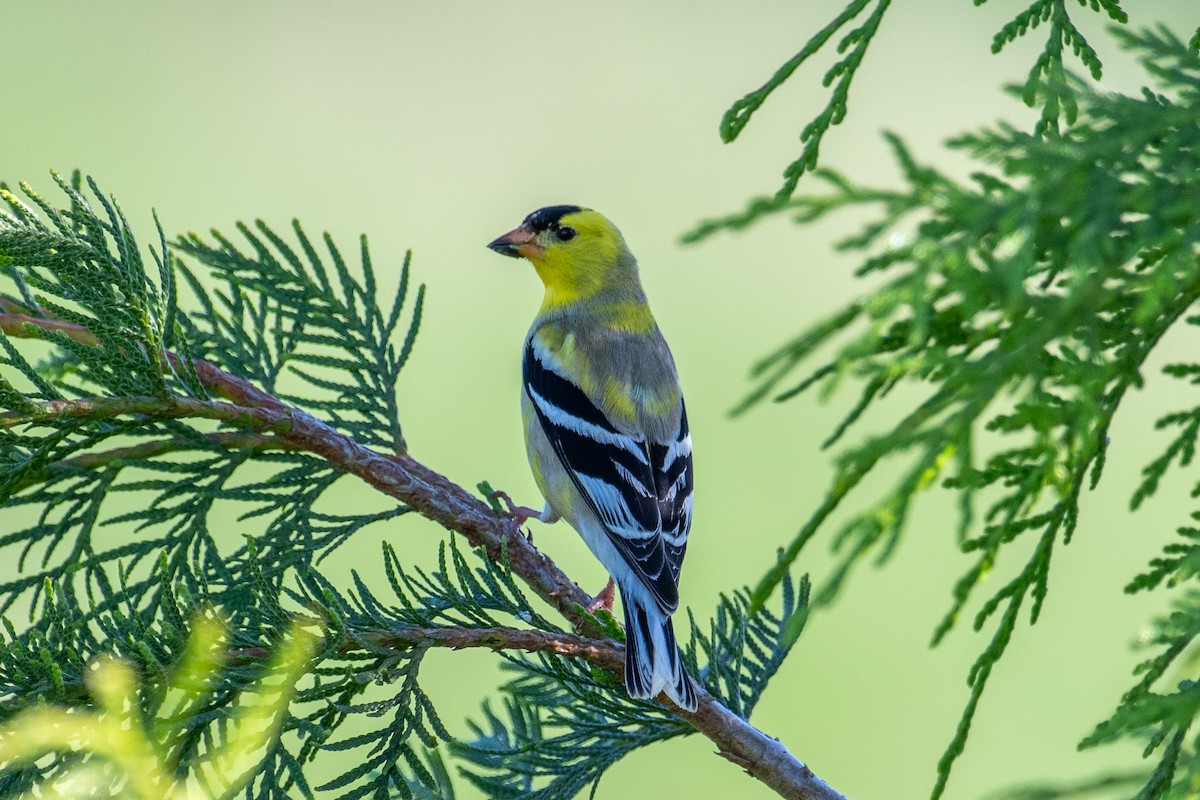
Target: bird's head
x=577 y=252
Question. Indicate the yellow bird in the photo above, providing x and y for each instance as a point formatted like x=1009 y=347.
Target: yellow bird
x=606 y=430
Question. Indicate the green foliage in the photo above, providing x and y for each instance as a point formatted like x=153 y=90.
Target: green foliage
x=84 y=269
x=563 y=721
x=745 y=645
x=124 y=405
x=1162 y=720
x=94 y=590
x=114 y=746
x=560 y=722
x=1047 y=85
x=854 y=47
x=279 y=310
x=87 y=269
x=1021 y=306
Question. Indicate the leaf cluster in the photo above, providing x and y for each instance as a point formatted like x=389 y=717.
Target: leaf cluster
x=562 y=725
x=1048 y=85
x=123 y=748
x=1018 y=308
x=123 y=343
x=281 y=309
x=96 y=443
x=123 y=339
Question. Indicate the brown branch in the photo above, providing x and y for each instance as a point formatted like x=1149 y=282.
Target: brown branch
x=604 y=653
x=610 y=656
x=229 y=440
x=454 y=508
x=18 y=325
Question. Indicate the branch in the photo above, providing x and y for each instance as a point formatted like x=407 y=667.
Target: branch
x=18 y=325
x=760 y=755
x=228 y=440
x=603 y=653
x=436 y=497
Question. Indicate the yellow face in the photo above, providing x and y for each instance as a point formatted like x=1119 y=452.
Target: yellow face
x=576 y=251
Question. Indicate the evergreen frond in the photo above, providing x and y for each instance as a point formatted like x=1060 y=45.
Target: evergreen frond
x=1163 y=720
x=123 y=343
x=120 y=334
x=135 y=737
x=745 y=646
x=466 y=592
x=1023 y=304
x=281 y=309
x=561 y=727
x=1048 y=85
x=83 y=268
x=852 y=48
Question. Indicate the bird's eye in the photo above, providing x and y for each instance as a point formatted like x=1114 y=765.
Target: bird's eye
x=566 y=233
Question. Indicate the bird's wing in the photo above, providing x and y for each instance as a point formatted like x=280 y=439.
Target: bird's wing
x=641 y=490
x=672 y=467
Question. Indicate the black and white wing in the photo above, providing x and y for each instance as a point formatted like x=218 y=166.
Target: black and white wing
x=641 y=490
x=672 y=466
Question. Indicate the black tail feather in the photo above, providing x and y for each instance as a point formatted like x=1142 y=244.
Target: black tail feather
x=652 y=659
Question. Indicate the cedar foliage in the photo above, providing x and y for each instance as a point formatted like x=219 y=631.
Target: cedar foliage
x=116 y=408
x=1024 y=303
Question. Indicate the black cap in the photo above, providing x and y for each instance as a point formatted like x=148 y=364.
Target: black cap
x=547 y=218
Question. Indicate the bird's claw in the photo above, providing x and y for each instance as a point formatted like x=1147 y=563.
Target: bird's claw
x=603 y=600
x=516 y=516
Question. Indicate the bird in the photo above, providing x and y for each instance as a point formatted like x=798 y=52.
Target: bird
x=606 y=430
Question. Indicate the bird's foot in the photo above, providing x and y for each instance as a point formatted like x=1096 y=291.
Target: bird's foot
x=516 y=516
x=603 y=600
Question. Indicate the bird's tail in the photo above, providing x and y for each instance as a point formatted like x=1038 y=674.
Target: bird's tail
x=652 y=661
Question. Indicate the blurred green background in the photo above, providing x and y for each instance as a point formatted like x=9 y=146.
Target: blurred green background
x=437 y=127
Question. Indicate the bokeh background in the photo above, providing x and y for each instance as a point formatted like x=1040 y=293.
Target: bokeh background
x=436 y=127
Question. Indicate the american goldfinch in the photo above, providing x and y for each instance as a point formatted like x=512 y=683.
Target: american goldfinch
x=605 y=428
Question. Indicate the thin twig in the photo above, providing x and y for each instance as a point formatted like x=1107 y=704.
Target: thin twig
x=18 y=326
x=603 y=653
x=228 y=440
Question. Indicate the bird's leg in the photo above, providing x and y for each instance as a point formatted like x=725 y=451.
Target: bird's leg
x=517 y=515
x=603 y=600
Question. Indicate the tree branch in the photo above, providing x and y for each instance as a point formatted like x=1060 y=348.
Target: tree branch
x=603 y=653
x=16 y=324
x=454 y=508
x=228 y=440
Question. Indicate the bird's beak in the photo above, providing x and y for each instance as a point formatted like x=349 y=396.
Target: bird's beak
x=518 y=243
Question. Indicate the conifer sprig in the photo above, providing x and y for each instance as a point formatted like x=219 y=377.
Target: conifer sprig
x=561 y=726
x=188 y=409
x=280 y=310
x=854 y=46
x=1022 y=306
x=1048 y=86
